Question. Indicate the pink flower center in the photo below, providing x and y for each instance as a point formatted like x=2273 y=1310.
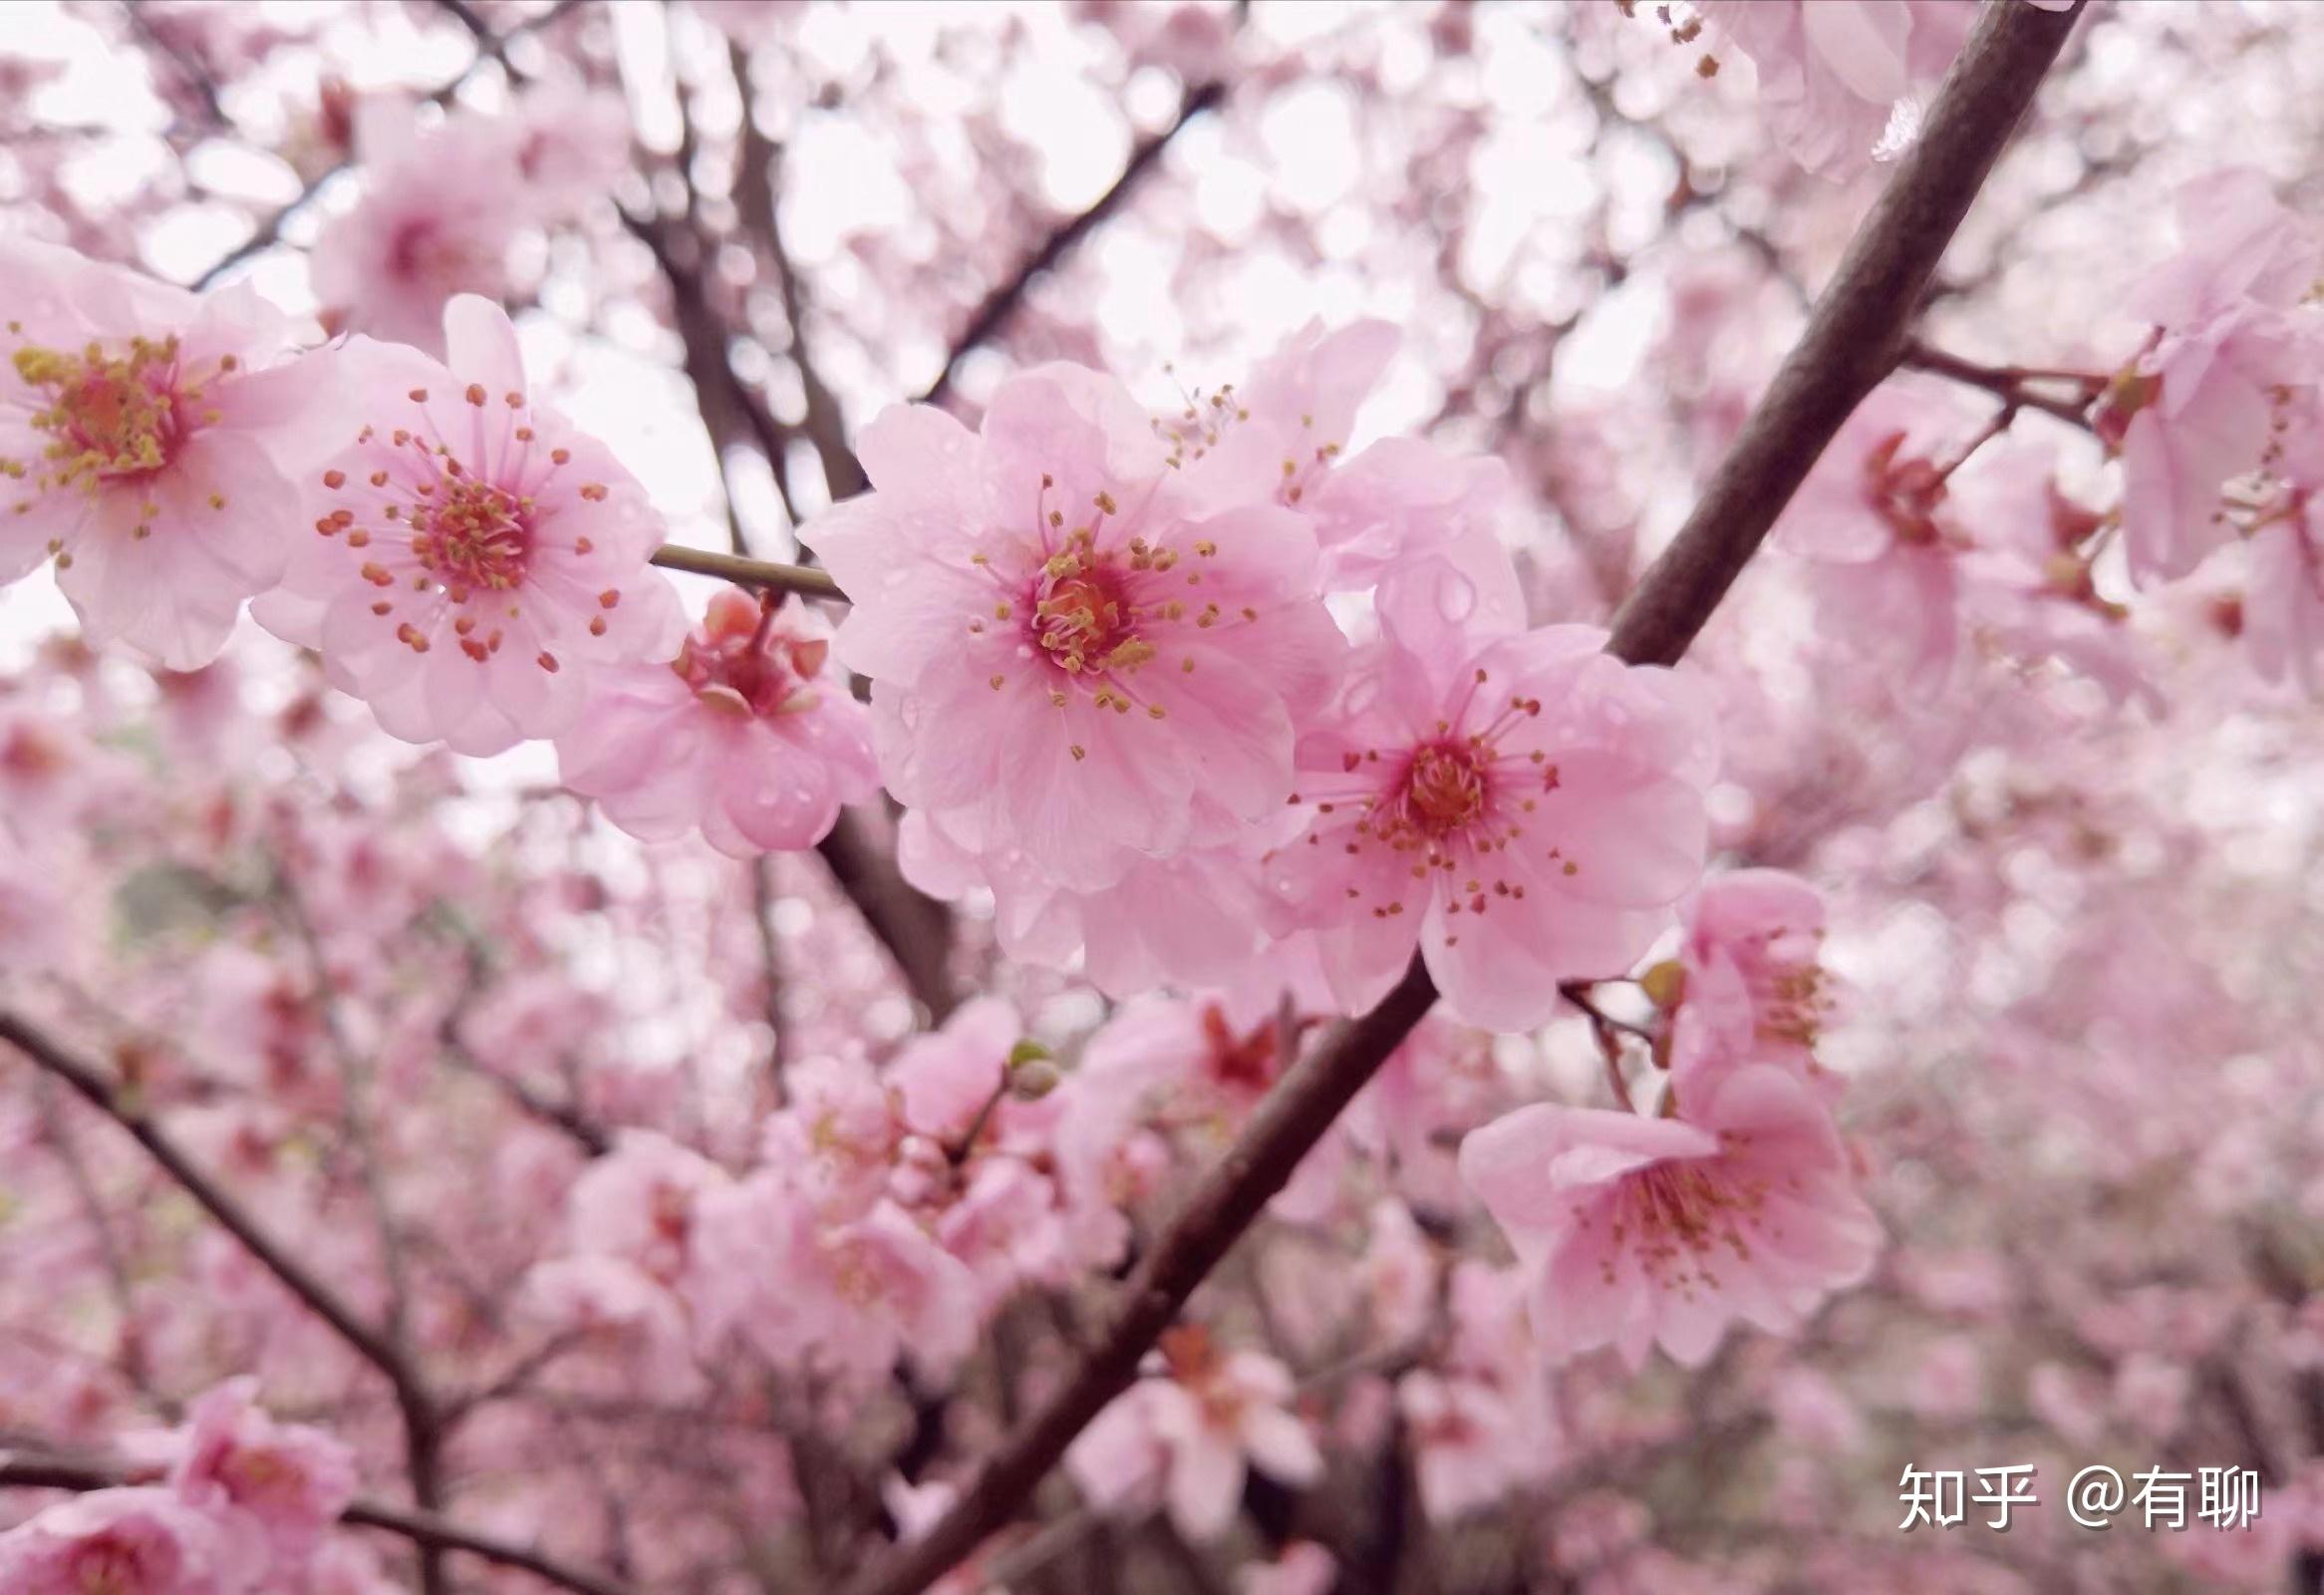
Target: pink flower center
x=472 y=535
x=1445 y=789
x=1082 y=620
x=1449 y=1428
x=107 y=1565
x=1678 y=1213
x=736 y=662
x=108 y=417
x=254 y=1476
x=1455 y=800
x=423 y=251
x=1246 y=1065
x=860 y=1273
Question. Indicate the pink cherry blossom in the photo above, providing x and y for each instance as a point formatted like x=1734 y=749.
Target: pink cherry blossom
x=1278 y=436
x=1751 y=987
x=1643 y=1231
x=845 y=1298
x=2029 y=587
x=636 y=1203
x=2207 y=405
x=1005 y=1227
x=835 y=1140
x=1526 y=812
x=470 y=554
x=1399 y=1274
x=1872 y=514
x=877 y=1288
x=943 y=1082
x=1833 y=72
x=1063 y=655
x=1186 y=1435
x=2283 y=595
x=612 y=1303
x=742 y=736
x=294 y=1480
x=572 y=145
x=140 y=1541
x=146 y=438
x=2238 y=246
x=2226 y=386
x=440 y=212
x=1472 y=1448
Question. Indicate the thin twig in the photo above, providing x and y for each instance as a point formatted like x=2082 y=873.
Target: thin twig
x=1851 y=341
x=1003 y=301
x=426 y=1529
x=269 y=232
x=762 y=573
x=119 y=1105
x=2017 y=387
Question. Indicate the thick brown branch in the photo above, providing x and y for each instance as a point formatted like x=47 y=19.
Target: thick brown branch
x=1003 y=301
x=729 y=407
x=425 y=1529
x=1855 y=332
x=1851 y=343
x=915 y=928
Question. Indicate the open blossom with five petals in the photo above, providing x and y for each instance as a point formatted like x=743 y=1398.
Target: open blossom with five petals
x=1189 y=1433
x=146 y=441
x=290 y=1479
x=142 y=1541
x=847 y=1298
x=636 y=1203
x=469 y=554
x=742 y=736
x=1068 y=656
x=1636 y=1231
x=439 y=212
x=1472 y=1447
x=1526 y=811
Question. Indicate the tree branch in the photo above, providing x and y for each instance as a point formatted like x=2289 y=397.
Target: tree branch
x=119 y=1106
x=2017 y=387
x=1855 y=332
x=1851 y=343
x=915 y=928
x=755 y=188
x=270 y=232
x=426 y=1529
x=1003 y=301
x=804 y=580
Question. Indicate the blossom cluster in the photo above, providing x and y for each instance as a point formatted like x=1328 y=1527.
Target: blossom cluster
x=459 y=556
x=1109 y=689
x=239 y=1504
x=1110 y=683
x=1935 y=538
